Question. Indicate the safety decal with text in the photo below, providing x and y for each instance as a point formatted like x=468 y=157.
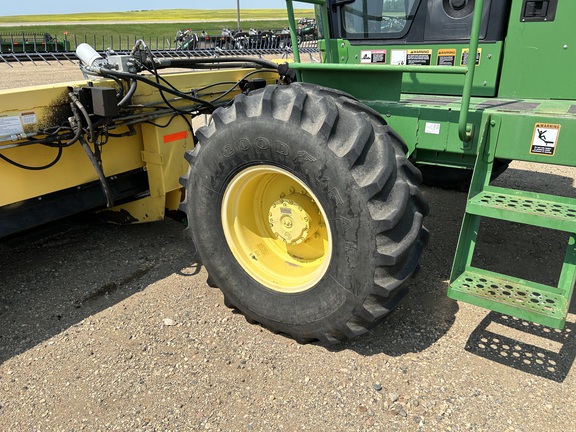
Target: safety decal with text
x=10 y=125
x=545 y=139
x=412 y=57
x=420 y=57
x=446 y=57
x=373 y=56
x=17 y=123
x=466 y=53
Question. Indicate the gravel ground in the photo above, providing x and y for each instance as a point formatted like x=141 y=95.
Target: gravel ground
x=114 y=328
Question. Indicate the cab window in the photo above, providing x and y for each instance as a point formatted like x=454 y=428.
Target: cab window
x=365 y=19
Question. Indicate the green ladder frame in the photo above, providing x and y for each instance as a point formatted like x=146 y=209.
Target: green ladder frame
x=509 y=295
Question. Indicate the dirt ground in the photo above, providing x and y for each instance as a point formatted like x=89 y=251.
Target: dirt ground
x=113 y=328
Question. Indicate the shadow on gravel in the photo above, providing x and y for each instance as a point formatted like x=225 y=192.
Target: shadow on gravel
x=528 y=347
x=426 y=313
x=49 y=284
x=419 y=322
x=535 y=181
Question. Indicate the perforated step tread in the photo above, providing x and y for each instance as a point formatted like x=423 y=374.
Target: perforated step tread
x=516 y=297
x=547 y=211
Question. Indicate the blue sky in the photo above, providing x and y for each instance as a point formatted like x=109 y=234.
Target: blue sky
x=24 y=7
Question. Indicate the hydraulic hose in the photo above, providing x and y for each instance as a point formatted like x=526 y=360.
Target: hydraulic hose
x=129 y=94
x=101 y=176
x=198 y=62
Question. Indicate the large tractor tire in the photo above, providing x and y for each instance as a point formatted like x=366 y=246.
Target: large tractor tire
x=305 y=211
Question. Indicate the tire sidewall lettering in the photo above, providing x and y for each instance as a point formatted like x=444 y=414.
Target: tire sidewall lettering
x=244 y=145
x=262 y=143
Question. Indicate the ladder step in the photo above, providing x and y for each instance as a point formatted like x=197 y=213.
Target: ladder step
x=511 y=296
x=547 y=211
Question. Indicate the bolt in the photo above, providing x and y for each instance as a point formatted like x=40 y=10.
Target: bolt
x=342 y=45
x=565 y=47
x=292 y=190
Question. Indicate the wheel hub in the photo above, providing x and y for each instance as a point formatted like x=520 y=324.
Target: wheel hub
x=276 y=228
x=294 y=219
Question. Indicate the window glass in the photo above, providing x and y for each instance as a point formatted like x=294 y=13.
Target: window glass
x=365 y=19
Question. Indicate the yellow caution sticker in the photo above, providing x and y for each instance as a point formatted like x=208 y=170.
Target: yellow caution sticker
x=446 y=57
x=545 y=139
x=465 y=54
x=419 y=57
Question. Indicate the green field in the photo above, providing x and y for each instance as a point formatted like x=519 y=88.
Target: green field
x=159 y=15
x=103 y=30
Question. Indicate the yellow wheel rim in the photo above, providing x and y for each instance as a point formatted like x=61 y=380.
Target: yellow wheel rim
x=276 y=229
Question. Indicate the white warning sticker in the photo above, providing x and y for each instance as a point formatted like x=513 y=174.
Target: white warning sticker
x=29 y=118
x=545 y=139
x=10 y=125
x=398 y=57
x=432 y=128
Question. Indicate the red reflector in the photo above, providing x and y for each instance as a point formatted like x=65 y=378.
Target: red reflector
x=175 y=136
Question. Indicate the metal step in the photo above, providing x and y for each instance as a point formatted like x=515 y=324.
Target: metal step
x=508 y=295
x=548 y=211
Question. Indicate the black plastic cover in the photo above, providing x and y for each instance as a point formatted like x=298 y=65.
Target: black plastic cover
x=540 y=10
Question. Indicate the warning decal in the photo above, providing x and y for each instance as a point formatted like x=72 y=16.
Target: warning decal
x=419 y=57
x=545 y=139
x=465 y=54
x=373 y=56
x=10 y=125
x=446 y=57
x=29 y=118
